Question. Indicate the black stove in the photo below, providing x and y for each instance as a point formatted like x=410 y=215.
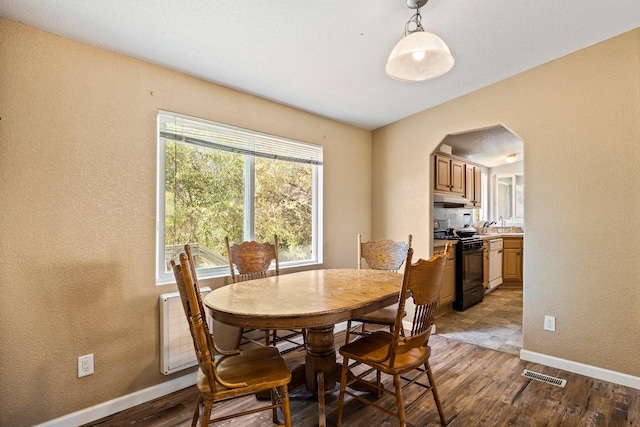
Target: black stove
x=469 y=270
x=467 y=242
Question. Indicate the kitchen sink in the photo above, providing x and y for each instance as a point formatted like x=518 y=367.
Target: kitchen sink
x=497 y=231
x=504 y=229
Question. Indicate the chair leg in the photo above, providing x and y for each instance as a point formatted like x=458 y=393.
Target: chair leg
x=274 y=411
x=196 y=414
x=284 y=402
x=206 y=414
x=443 y=420
x=347 y=333
x=378 y=384
x=400 y=400
x=239 y=339
x=343 y=387
x=286 y=409
x=363 y=331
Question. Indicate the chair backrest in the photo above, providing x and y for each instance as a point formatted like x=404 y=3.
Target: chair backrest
x=382 y=254
x=181 y=286
x=422 y=281
x=192 y=304
x=251 y=260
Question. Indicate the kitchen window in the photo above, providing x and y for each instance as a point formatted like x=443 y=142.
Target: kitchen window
x=216 y=180
x=484 y=195
x=509 y=191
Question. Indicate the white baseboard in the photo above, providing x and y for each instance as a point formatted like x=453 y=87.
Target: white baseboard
x=121 y=403
x=582 y=369
x=339 y=327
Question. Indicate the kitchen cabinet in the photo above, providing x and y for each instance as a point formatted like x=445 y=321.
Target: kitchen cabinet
x=449 y=175
x=512 y=256
x=448 y=291
x=473 y=185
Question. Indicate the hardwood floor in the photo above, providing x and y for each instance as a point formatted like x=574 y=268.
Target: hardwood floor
x=477 y=386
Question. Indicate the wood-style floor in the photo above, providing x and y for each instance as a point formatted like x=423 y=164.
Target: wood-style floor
x=478 y=387
x=495 y=323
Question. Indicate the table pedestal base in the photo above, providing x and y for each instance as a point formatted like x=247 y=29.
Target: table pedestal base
x=320 y=373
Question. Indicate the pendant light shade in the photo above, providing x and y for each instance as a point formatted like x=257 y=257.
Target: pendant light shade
x=419 y=56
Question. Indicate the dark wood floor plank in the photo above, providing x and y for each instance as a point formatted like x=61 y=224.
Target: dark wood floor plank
x=478 y=387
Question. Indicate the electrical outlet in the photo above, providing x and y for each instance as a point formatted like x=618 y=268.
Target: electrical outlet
x=85 y=365
x=549 y=323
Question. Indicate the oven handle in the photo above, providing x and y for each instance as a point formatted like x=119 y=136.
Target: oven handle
x=472 y=251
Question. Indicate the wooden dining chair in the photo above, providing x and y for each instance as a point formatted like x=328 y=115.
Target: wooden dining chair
x=249 y=261
x=224 y=375
x=396 y=355
x=379 y=255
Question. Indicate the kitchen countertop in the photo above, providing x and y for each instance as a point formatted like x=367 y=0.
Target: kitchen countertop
x=437 y=243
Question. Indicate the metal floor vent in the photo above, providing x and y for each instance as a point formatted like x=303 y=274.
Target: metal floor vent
x=544 y=378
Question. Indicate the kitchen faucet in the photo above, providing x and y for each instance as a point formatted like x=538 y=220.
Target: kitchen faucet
x=485 y=227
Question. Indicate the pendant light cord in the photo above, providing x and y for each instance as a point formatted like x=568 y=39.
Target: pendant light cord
x=417 y=20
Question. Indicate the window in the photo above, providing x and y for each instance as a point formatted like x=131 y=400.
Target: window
x=216 y=180
x=510 y=197
x=484 y=196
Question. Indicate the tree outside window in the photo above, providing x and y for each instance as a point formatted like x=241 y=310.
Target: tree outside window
x=212 y=190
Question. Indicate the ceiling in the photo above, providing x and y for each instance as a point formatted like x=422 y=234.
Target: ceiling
x=488 y=147
x=327 y=57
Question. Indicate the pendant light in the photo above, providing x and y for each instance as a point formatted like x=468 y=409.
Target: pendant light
x=419 y=55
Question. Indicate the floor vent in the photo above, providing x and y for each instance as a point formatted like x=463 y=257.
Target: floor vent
x=544 y=378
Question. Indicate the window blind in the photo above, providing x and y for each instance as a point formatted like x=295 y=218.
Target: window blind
x=224 y=137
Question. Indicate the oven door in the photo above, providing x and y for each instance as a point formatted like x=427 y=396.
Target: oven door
x=472 y=268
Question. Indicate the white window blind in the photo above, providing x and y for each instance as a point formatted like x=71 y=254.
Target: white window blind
x=236 y=140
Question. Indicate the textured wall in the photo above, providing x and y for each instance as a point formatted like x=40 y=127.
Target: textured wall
x=579 y=119
x=77 y=213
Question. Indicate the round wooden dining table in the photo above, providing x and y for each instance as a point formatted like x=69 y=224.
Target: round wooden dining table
x=314 y=300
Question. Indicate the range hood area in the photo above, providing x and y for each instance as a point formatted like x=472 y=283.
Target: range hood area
x=450 y=200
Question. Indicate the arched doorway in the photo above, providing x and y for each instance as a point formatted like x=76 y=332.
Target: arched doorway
x=496 y=154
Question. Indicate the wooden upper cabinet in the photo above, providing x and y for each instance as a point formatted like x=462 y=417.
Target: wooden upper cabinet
x=457 y=176
x=449 y=175
x=477 y=173
x=473 y=185
x=469 y=181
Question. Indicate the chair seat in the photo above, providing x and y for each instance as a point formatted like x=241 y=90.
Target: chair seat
x=262 y=367
x=372 y=348
x=384 y=316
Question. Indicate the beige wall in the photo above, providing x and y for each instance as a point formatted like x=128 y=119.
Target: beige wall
x=77 y=213
x=579 y=117
x=77 y=205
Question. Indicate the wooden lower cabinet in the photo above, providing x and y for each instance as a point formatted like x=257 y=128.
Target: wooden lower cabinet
x=512 y=256
x=448 y=291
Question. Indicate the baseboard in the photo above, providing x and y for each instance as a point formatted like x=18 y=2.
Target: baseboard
x=339 y=327
x=582 y=369
x=121 y=403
